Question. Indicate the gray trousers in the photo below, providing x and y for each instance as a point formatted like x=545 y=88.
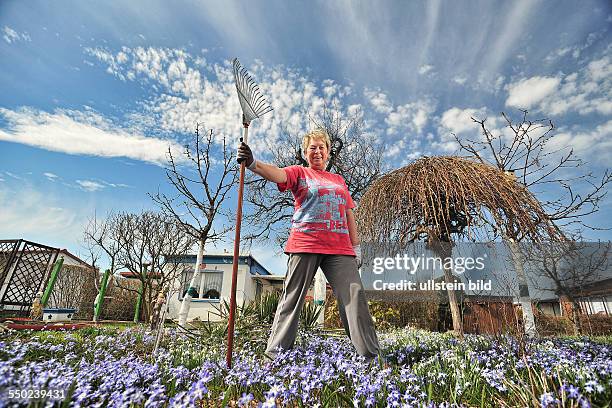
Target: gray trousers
x=342 y=274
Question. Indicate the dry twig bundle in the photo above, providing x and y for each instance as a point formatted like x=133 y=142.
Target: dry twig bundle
x=443 y=196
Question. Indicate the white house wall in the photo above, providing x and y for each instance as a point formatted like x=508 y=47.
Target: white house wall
x=206 y=310
x=68 y=260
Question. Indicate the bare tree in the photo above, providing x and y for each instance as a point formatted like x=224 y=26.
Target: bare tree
x=146 y=241
x=527 y=157
x=101 y=240
x=93 y=254
x=353 y=155
x=131 y=241
x=568 y=269
x=100 y=237
x=203 y=185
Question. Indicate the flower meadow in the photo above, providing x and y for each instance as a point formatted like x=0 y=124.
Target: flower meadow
x=117 y=368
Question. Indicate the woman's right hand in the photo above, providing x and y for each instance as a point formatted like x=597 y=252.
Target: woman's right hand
x=268 y=171
x=245 y=154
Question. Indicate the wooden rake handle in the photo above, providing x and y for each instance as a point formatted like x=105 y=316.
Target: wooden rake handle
x=232 y=311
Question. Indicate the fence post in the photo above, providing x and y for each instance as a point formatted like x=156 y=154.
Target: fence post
x=100 y=297
x=140 y=295
x=56 y=269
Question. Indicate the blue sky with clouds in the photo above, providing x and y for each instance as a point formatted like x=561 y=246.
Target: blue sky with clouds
x=93 y=93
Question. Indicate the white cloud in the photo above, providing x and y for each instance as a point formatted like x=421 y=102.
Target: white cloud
x=379 y=101
x=600 y=69
x=50 y=176
x=586 y=91
x=10 y=36
x=330 y=89
x=576 y=50
x=456 y=120
x=75 y=132
x=499 y=83
x=460 y=79
x=597 y=141
x=561 y=52
x=410 y=117
x=121 y=58
x=189 y=90
x=86 y=185
x=106 y=183
x=508 y=35
x=355 y=109
x=445 y=145
x=14 y=176
x=424 y=69
x=593 y=143
x=401 y=119
x=394 y=149
x=529 y=92
x=89 y=185
x=32 y=214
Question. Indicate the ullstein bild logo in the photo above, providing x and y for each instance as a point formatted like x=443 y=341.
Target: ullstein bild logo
x=431 y=285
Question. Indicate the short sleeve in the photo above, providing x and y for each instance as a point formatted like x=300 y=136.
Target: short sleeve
x=293 y=173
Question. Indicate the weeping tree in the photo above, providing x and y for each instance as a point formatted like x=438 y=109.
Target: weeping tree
x=443 y=200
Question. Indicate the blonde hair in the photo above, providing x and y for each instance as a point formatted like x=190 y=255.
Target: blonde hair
x=317 y=134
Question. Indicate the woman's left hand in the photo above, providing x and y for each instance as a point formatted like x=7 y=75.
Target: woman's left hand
x=357 y=249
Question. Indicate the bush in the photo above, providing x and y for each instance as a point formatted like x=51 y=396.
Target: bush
x=418 y=314
x=593 y=325
x=596 y=325
x=548 y=325
x=121 y=302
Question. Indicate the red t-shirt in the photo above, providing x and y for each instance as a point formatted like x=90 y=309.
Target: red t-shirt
x=319 y=222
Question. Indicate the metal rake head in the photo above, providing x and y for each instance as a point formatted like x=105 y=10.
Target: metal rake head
x=253 y=103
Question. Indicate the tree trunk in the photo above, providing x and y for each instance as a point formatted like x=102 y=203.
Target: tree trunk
x=576 y=313
x=186 y=304
x=444 y=249
x=146 y=304
x=454 y=304
x=570 y=309
x=320 y=290
x=529 y=326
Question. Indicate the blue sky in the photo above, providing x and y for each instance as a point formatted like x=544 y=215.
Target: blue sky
x=93 y=93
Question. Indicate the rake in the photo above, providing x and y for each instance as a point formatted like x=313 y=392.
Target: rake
x=253 y=106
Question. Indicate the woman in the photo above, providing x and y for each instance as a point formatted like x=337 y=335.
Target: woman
x=323 y=234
